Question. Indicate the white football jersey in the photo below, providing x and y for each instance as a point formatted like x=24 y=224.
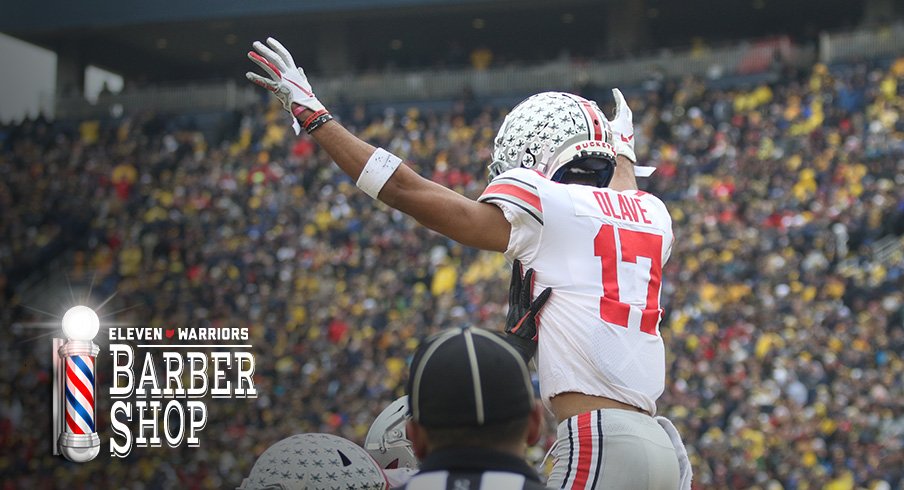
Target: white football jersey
x=602 y=252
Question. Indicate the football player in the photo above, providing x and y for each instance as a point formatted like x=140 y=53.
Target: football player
x=563 y=200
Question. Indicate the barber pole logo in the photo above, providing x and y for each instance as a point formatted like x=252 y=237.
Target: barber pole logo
x=80 y=394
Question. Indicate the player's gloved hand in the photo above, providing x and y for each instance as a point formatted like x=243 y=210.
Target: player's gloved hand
x=522 y=323
x=287 y=80
x=622 y=124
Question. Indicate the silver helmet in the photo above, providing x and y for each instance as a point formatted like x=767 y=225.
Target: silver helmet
x=549 y=130
x=387 y=440
x=315 y=462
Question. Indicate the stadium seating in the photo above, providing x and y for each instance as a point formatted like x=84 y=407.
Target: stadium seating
x=784 y=327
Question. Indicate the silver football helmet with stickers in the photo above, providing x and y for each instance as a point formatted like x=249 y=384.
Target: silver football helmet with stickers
x=558 y=134
x=387 y=440
x=315 y=462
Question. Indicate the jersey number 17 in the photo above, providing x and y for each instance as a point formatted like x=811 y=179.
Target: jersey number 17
x=633 y=244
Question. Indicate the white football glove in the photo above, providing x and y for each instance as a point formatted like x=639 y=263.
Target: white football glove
x=623 y=127
x=622 y=124
x=287 y=80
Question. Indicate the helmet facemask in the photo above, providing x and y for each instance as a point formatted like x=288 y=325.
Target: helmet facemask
x=387 y=439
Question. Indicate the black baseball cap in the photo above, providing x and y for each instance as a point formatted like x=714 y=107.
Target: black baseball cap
x=468 y=377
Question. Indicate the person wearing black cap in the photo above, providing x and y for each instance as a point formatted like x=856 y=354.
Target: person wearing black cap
x=473 y=413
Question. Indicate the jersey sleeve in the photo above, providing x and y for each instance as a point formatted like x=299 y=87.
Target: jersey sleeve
x=517 y=193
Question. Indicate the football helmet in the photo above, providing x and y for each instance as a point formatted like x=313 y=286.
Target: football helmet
x=556 y=133
x=315 y=462
x=387 y=440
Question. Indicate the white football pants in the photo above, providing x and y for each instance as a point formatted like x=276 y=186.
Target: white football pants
x=613 y=449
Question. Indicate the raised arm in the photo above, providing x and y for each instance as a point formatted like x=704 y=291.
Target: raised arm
x=471 y=223
x=443 y=210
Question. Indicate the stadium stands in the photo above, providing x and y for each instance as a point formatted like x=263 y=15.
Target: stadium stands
x=785 y=328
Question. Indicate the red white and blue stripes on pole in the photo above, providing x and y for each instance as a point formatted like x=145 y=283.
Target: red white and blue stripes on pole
x=80 y=394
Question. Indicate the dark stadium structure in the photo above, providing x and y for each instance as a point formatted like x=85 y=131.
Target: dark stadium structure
x=202 y=39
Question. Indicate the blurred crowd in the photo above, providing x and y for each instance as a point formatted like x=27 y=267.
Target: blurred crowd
x=784 y=323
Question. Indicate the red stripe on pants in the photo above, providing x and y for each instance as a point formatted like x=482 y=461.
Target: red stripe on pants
x=585 y=452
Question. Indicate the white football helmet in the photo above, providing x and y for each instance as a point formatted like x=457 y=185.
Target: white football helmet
x=315 y=462
x=555 y=133
x=387 y=440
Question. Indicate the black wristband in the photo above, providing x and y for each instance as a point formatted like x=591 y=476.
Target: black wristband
x=318 y=121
